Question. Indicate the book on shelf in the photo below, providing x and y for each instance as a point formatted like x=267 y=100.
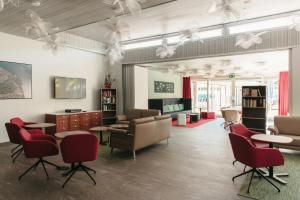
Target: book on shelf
x=250 y=92
x=254 y=103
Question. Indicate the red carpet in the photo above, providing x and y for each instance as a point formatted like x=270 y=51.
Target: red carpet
x=194 y=124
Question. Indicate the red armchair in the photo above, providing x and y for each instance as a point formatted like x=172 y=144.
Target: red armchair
x=241 y=129
x=76 y=149
x=13 y=132
x=38 y=146
x=247 y=153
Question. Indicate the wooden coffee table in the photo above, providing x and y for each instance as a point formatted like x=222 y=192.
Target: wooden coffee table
x=43 y=126
x=120 y=126
x=62 y=135
x=100 y=129
x=273 y=139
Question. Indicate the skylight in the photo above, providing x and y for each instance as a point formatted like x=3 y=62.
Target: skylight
x=262 y=25
x=172 y=39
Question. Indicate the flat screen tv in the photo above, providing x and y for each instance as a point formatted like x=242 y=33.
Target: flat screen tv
x=69 y=88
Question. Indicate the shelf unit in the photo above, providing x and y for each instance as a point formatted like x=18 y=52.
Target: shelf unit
x=108 y=99
x=254 y=107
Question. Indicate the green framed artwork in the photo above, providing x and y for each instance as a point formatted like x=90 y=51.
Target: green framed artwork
x=163 y=87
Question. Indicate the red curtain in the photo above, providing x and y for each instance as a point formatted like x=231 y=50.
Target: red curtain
x=187 y=92
x=283 y=100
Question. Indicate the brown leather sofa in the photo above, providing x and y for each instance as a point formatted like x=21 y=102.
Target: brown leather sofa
x=141 y=133
x=136 y=114
x=287 y=126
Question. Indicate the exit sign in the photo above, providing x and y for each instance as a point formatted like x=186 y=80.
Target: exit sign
x=231 y=76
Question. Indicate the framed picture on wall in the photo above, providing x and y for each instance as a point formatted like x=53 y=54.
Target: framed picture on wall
x=163 y=87
x=15 y=80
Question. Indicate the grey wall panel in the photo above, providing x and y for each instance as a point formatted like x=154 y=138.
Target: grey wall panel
x=273 y=40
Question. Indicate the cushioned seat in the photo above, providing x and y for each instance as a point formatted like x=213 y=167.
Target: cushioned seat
x=208 y=115
x=181 y=119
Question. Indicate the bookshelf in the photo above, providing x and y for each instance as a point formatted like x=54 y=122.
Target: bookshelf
x=108 y=99
x=254 y=103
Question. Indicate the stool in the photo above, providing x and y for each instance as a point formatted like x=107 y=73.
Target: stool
x=181 y=119
x=208 y=115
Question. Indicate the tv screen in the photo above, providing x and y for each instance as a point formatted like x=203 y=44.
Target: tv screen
x=69 y=88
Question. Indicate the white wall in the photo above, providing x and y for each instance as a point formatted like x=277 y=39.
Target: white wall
x=160 y=76
x=140 y=87
x=67 y=62
x=294 y=81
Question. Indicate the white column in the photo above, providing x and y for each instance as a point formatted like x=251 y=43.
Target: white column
x=233 y=93
x=294 y=84
x=195 y=96
x=208 y=94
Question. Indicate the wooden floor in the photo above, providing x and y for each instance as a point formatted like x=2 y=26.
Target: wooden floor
x=196 y=164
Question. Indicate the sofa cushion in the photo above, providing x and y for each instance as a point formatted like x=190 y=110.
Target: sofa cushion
x=176 y=107
x=171 y=108
x=181 y=107
x=134 y=114
x=166 y=109
x=150 y=113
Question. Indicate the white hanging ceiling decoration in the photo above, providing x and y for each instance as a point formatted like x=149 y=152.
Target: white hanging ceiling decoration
x=246 y=40
x=296 y=23
x=42 y=30
x=227 y=8
x=188 y=35
x=116 y=31
x=122 y=6
x=166 y=51
x=15 y=3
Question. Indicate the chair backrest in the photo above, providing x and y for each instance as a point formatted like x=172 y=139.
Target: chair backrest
x=232 y=116
x=240 y=129
x=18 y=121
x=25 y=135
x=287 y=124
x=79 y=148
x=243 y=149
x=13 y=132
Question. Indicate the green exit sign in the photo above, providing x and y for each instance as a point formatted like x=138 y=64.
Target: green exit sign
x=231 y=76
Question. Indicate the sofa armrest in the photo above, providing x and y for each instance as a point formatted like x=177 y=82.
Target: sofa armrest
x=273 y=130
x=115 y=131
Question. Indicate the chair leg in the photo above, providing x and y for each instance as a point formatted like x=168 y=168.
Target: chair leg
x=45 y=169
x=52 y=164
x=242 y=174
x=260 y=174
x=74 y=170
x=84 y=169
x=13 y=149
x=134 y=156
x=16 y=152
x=90 y=169
x=34 y=165
x=16 y=156
x=245 y=168
x=248 y=190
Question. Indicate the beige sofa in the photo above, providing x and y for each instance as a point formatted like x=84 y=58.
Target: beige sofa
x=287 y=126
x=141 y=133
x=136 y=114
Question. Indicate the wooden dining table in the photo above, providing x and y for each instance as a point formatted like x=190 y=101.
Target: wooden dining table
x=273 y=139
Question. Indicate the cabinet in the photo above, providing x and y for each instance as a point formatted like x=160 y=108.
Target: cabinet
x=73 y=121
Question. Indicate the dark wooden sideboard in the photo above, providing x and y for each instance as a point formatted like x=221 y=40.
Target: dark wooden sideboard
x=73 y=121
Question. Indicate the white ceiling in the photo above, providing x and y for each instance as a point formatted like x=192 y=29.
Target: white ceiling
x=183 y=14
x=255 y=65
